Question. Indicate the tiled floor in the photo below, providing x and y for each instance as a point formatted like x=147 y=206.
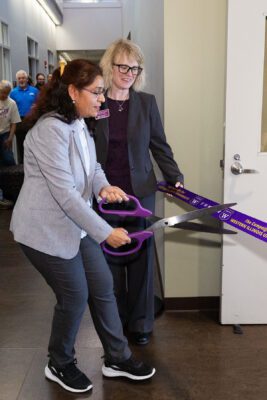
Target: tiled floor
x=195 y=357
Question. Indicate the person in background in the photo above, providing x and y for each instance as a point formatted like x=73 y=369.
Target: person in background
x=30 y=80
x=40 y=81
x=123 y=145
x=59 y=232
x=49 y=77
x=24 y=95
x=9 y=117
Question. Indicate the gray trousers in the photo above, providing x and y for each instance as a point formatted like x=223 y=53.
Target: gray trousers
x=134 y=275
x=84 y=279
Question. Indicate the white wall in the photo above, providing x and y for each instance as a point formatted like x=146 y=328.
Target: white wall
x=29 y=19
x=146 y=29
x=187 y=55
x=194 y=64
x=89 y=27
x=145 y=21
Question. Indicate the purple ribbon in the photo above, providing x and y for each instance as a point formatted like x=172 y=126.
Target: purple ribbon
x=243 y=222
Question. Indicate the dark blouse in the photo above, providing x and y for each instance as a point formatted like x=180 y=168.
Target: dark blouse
x=117 y=166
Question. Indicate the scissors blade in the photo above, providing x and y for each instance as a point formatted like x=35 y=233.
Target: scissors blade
x=194 y=226
x=191 y=215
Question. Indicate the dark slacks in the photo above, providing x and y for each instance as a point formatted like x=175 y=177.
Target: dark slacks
x=134 y=276
x=86 y=278
x=21 y=132
x=6 y=155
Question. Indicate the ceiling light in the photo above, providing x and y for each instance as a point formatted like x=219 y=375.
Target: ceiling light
x=66 y=56
x=49 y=12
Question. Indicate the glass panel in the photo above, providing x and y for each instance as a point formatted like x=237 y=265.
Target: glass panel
x=264 y=102
x=50 y=58
x=31 y=66
x=6 y=64
x=30 y=47
x=5 y=40
x=36 y=49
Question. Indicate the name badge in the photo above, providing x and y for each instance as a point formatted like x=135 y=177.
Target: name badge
x=102 y=114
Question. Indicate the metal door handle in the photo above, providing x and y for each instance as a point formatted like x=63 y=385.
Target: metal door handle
x=237 y=169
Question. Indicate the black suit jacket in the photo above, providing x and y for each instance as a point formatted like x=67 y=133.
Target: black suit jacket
x=145 y=133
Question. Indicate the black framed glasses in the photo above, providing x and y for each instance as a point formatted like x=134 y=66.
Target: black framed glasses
x=124 y=69
x=97 y=92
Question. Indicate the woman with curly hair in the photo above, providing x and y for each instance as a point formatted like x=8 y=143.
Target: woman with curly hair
x=58 y=230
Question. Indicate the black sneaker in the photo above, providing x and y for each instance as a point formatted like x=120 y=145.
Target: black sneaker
x=130 y=368
x=69 y=377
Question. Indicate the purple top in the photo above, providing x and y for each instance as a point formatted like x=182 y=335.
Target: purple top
x=117 y=166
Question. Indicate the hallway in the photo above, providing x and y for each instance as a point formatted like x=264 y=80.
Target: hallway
x=195 y=357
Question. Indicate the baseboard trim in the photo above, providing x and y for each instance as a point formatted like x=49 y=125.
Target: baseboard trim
x=192 y=303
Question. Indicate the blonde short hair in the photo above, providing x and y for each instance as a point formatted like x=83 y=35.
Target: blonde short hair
x=132 y=50
x=5 y=85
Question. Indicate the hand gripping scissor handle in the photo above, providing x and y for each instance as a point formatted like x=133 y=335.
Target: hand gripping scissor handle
x=138 y=211
x=138 y=237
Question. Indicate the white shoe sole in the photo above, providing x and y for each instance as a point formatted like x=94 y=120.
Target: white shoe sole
x=112 y=373
x=53 y=378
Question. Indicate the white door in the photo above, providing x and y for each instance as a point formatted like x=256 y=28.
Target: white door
x=244 y=270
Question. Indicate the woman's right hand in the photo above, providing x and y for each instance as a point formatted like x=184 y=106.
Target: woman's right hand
x=118 y=237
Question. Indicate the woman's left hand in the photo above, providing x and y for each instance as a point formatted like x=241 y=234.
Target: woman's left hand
x=113 y=194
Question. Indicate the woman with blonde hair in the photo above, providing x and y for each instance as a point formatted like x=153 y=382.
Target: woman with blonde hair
x=123 y=144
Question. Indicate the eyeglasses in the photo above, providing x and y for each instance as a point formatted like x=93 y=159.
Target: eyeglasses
x=124 y=69
x=97 y=92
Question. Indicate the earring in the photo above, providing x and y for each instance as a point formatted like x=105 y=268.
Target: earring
x=73 y=101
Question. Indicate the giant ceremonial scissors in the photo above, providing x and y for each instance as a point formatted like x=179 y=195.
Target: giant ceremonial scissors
x=177 y=221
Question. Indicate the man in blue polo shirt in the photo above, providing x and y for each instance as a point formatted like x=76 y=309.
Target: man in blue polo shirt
x=24 y=96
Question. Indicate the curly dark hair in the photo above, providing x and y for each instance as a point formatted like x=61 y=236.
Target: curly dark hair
x=54 y=97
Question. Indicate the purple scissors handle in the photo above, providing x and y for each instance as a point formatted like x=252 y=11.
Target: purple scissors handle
x=139 y=211
x=157 y=223
x=140 y=237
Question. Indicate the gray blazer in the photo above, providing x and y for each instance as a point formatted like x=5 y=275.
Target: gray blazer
x=145 y=133
x=52 y=208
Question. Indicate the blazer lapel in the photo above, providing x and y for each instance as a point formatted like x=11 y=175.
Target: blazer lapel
x=101 y=140
x=133 y=112
x=79 y=147
x=90 y=143
x=80 y=151
x=105 y=129
x=104 y=122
